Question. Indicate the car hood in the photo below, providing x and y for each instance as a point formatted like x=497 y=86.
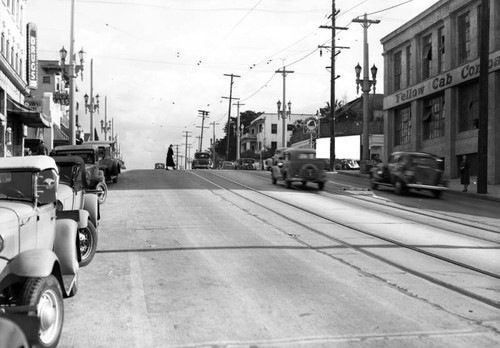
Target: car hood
x=10 y=210
x=64 y=191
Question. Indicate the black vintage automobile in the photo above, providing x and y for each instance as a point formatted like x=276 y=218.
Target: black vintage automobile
x=410 y=170
x=94 y=173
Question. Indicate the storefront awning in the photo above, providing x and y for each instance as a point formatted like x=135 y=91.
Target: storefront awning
x=59 y=134
x=28 y=116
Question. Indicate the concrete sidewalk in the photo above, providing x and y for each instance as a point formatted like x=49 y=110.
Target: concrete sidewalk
x=454 y=187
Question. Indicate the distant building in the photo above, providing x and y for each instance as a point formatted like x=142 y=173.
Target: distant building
x=349 y=121
x=431 y=79
x=266 y=131
x=18 y=74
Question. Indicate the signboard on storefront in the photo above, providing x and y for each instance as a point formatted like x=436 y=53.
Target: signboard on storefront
x=32 y=61
x=448 y=79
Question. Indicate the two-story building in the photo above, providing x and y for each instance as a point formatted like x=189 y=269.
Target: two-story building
x=266 y=131
x=431 y=80
x=18 y=74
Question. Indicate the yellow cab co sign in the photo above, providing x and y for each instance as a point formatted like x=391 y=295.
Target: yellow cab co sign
x=451 y=78
x=32 y=69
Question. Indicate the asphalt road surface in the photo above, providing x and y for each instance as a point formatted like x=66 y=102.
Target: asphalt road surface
x=226 y=259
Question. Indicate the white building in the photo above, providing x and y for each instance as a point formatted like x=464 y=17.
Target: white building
x=266 y=131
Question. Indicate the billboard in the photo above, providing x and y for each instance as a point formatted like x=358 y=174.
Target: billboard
x=32 y=59
x=345 y=147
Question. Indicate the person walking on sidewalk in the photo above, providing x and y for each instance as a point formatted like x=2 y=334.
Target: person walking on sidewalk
x=464 y=173
x=170 y=158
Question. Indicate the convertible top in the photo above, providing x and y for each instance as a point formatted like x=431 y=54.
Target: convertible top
x=34 y=163
x=68 y=159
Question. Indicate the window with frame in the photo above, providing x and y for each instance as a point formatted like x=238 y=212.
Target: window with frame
x=397 y=71
x=274 y=145
x=441 y=51
x=46 y=79
x=433 y=117
x=274 y=128
x=7 y=50
x=468 y=110
x=408 y=65
x=463 y=37
x=402 y=126
x=427 y=56
x=260 y=128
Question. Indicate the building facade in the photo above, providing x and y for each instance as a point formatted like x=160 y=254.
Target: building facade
x=18 y=75
x=431 y=80
x=266 y=131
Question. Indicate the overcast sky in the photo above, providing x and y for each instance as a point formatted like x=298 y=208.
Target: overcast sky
x=160 y=61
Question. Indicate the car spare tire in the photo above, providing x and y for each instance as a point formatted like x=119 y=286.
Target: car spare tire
x=309 y=171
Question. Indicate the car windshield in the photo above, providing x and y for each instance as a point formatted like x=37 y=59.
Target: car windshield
x=425 y=162
x=67 y=173
x=201 y=155
x=16 y=185
x=303 y=156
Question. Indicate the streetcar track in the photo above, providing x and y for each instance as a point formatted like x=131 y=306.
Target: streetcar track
x=362 y=250
x=445 y=217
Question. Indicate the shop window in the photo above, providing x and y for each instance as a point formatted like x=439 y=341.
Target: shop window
x=463 y=38
x=397 y=71
x=468 y=110
x=441 y=51
x=433 y=117
x=426 y=57
x=274 y=128
x=402 y=126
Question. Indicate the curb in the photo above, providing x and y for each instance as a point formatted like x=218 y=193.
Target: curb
x=482 y=196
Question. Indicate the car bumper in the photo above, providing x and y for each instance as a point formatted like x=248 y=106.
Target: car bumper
x=427 y=187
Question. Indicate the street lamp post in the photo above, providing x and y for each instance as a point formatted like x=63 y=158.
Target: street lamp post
x=105 y=124
x=69 y=76
x=89 y=101
x=366 y=84
x=284 y=114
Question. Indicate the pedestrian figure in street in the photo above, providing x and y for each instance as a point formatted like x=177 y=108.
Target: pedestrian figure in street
x=170 y=158
x=42 y=148
x=464 y=173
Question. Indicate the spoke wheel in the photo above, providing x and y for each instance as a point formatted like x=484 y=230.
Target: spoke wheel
x=88 y=243
x=101 y=196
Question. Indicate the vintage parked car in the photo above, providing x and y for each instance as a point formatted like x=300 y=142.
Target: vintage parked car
x=245 y=164
x=94 y=174
x=39 y=253
x=74 y=198
x=296 y=164
x=227 y=165
x=410 y=170
x=159 y=165
x=108 y=162
x=201 y=160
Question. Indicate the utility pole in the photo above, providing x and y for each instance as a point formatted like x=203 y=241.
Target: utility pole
x=332 y=84
x=238 y=131
x=229 y=112
x=366 y=84
x=203 y=114
x=187 y=134
x=177 y=154
x=284 y=111
x=482 y=137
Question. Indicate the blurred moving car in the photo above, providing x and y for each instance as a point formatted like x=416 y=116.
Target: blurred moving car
x=296 y=164
x=201 y=160
x=227 y=165
x=410 y=170
x=246 y=164
x=346 y=164
x=159 y=165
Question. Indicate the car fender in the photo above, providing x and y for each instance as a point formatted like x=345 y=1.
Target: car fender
x=67 y=245
x=31 y=263
x=81 y=216
x=91 y=205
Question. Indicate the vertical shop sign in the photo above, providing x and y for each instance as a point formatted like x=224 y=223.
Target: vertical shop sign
x=32 y=69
